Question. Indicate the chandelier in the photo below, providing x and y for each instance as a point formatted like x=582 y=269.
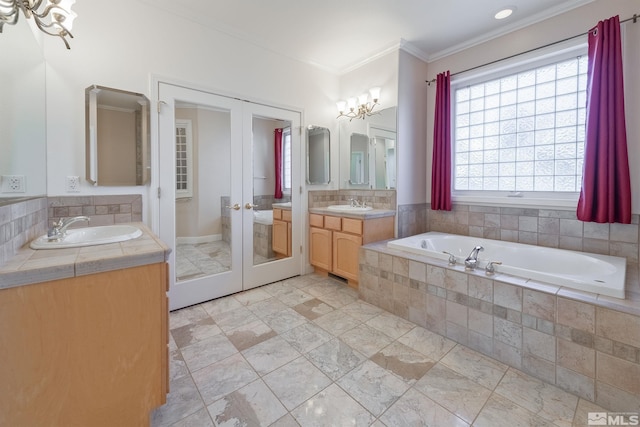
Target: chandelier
x=361 y=107
x=55 y=18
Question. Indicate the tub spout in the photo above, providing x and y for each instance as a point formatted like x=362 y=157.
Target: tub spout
x=471 y=262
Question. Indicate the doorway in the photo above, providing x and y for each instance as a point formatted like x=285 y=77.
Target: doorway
x=225 y=168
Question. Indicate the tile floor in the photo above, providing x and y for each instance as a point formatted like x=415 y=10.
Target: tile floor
x=307 y=352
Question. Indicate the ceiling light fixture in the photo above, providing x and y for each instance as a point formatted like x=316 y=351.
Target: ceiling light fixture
x=55 y=18
x=361 y=107
x=504 y=13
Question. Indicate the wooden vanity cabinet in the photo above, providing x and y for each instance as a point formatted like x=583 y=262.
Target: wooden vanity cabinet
x=281 y=233
x=88 y=350
x=334 y=242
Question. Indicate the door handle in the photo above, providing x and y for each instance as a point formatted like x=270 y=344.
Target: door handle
x=235 y=207
x=250 y=206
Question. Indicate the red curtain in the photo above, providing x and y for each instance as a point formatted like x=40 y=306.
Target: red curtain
x=278 y=162
x=605 y=196
x=441 y=162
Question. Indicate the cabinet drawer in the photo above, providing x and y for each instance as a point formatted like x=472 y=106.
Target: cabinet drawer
x=351 y=225
x=333 y=223
x=277 y=213
x=316 y=220
x=286 y=215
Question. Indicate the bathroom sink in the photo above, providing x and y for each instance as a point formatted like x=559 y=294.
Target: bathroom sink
x=89 y=236
x=349 y=208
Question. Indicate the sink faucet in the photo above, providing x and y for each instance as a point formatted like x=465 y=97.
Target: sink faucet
x=58 y=230
x=471 y=262
x=356 y=204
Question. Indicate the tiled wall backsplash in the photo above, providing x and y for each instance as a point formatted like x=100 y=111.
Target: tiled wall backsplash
x=412 y=219
x=102 y=210
x=378 y=199
x=20 y=223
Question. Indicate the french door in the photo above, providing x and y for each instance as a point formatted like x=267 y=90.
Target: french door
x=218 y=190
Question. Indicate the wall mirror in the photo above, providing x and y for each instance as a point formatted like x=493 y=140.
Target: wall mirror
x=117 y=137
x=318 y=155
x=359 y=159
x=23 y=165
x=368 y=152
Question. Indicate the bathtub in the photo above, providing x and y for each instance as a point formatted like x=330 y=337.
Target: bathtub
x=263 y=217
x=600 y=274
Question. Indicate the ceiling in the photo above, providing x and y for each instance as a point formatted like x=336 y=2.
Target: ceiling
x=338 y=36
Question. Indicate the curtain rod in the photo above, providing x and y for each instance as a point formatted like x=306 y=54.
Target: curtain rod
x=634 y=18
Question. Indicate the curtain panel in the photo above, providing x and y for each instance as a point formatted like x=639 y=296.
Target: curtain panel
x=441 y=161
x=605 y=196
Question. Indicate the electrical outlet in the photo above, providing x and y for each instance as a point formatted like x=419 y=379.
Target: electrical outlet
x=14 y=184
x=73 y=184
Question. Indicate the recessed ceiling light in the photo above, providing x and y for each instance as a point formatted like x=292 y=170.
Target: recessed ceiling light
x=504 y=13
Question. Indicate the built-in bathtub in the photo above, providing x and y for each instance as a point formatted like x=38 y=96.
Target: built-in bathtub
x=600 y=274
x=263 y=233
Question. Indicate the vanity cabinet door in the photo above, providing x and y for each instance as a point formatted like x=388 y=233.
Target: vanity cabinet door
x=320 y=248
x=345 y=255
x=281 y=237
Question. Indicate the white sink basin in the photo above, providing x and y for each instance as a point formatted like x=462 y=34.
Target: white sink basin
x=89 y=236
x=349 y=208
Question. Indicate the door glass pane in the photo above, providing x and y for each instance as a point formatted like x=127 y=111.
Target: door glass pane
x=203 y=188
x=271 y=145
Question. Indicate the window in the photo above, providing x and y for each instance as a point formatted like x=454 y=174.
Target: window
x=184 y=170
x=521 y=131
x=286 y=160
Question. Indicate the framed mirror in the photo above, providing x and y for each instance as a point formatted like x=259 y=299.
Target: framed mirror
x=318 y=155
x=118 y=140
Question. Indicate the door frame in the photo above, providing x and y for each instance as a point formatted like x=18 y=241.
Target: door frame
x=153 y=209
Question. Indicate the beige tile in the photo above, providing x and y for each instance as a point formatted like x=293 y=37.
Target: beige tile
x=576 y=357
x=539 y=344
x=614 y=399
x=501 y=412
x=547 y=401
x=619 y=373
x=618 y=326
x=406 y=363
x=481 y=288
x=481 y=369
x=508 y=296
x=456 y=281
x=415 y=409
x=481 y=322
x=576 y=383
x=539 y=304
x=456 y=313
x=576 y=314
x=457 y=393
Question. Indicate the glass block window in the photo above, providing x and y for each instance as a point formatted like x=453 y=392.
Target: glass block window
x=286 y=160
x=184 y=172
x=522 y=132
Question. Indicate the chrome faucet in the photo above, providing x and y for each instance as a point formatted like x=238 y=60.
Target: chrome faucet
x=59 y=229
x=354 y=203
x=471 y=262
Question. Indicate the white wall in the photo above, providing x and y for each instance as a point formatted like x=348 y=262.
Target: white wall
x=572 y=23
x=411 y=149
x=124 y=50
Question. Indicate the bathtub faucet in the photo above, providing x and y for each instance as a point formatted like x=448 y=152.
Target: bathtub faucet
x=471 y=262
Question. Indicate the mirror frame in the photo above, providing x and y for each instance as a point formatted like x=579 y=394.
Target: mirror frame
x=326 y=155
x=116 y=98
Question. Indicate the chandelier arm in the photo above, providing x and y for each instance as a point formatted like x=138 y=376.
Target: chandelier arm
x=62 y=33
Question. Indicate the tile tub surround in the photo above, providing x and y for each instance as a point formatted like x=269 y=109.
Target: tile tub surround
x=306 y=352
x=103 y=210
x=378 y=199
x=30 y=266
x=586 y=344
x=21 y=222
x=545 y=227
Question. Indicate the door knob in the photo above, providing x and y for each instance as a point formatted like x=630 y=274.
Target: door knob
x=250 y=205
x=235 y=207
